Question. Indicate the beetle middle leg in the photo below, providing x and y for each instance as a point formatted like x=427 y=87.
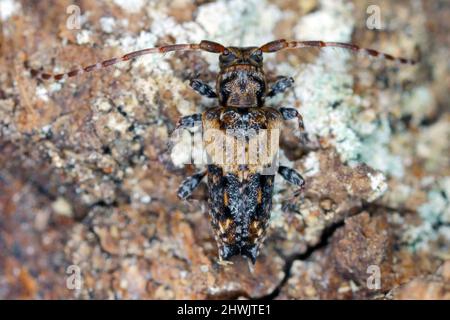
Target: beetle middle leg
x=202 y=88
x=281 y=85
x=291 y=176
x=291 y=113
x=190 y=184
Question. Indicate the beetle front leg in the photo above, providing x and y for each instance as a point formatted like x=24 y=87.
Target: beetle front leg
x=281 y=85
x=189 y=121
x=190 y=184
x=202 y=88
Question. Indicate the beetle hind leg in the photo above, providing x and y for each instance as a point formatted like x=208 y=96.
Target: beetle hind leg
x=295 y=178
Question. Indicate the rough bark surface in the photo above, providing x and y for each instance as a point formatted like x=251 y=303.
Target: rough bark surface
x=87 y=178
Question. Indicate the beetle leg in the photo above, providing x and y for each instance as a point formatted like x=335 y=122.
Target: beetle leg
x=202 y=88
x=291 y=113
x=189 y=121
x=189 y=184
x=280 y=86
x=291 y=176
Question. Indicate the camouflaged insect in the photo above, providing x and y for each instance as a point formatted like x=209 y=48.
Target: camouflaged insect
x=240 y=193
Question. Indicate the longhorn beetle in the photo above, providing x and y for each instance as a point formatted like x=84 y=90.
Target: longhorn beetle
x=240 y=195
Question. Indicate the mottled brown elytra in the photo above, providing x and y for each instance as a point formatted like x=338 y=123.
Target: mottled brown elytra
x=240 y=195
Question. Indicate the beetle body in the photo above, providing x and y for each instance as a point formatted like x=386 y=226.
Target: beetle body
x=240 y=193
x=241 y=139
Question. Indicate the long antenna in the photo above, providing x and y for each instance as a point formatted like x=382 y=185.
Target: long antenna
x=282 y=44
x=204 y=45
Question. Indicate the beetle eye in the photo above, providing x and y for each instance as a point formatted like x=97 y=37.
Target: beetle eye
x=227 y=56
x=257 y=56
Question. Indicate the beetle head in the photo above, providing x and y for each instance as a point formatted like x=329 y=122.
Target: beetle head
x=241 y=82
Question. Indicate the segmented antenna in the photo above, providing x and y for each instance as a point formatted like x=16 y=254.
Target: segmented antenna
x=204 y=45
x=282 y=44
x=213 y=47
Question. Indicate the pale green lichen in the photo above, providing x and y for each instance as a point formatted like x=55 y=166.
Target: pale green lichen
x=108 y=24
x=435 y=216
x=324 y=88
x=239 y=23
x=375 y=152
x=330 y=107
x=417 y=103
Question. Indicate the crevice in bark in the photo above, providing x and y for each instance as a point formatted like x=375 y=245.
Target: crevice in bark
x=326 y=235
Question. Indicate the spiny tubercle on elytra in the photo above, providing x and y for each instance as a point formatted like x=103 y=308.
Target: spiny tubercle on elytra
x=240 y=194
